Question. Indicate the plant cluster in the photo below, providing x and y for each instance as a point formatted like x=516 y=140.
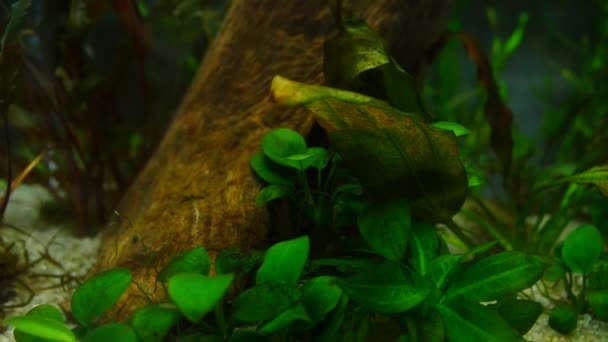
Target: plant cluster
x=77 y=91
x=370 y=264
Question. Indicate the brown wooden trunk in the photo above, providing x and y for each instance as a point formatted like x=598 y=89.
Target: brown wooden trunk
x=198 y=188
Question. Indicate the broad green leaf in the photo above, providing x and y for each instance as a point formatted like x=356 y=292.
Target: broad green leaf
x=281 y=143
x=285 y=319
x=347 y=207
x=458 y=129
x=355 y=49
x=233 y=260
x=582 y=248
x=563 y=320
x=385 y=289
x=496 y=276
x=262 y=302
x=195 y=260
x=98 y=294
x=48 y=311
x=479 y=250
x=385 y=226
x=43 y=310
x=392 y=154
x=152 y=323
x=555 y=272
x=43 y=327
x=444 y=268
x=272 y=192
x=320 y=295
x=271 y=172
x=316 y=157
x=356 y=59
x=598 y=301
x=428 y=327
x=467 y=321
x=354 y=326
x=423 y=247
x=334 y=322
x=195 y=295
x=111 y=332
x=432 y=328
x=521 y=314
x=284 y=262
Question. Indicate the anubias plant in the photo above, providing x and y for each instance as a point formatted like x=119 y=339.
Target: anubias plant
x=427 y=298
x=543 y=202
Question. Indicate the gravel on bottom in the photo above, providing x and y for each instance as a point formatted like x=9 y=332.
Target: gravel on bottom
x=72 y=256
x=587 y=330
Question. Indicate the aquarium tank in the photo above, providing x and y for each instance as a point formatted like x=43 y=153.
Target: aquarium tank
x=323 y=170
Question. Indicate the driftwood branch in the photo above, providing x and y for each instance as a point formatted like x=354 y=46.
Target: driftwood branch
x=198 y=188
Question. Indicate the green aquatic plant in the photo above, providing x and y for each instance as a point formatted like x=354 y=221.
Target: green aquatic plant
x=289 y=299
x=368 y=262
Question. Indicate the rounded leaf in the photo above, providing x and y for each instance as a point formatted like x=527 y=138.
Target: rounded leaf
x=598 y=301
x=279 y=144
x=555 y=272
x=111 y=332
x=582 y=248
x=195 y=260
x=43 y=327
x=563 y=320
x=285 y=319
x=316 y=157
x=234 y=260
x=48 y=311
x=271 y=172
x=98 y=294
x=195 y=295
x=284 y=262
x=385 y=226
x=521 y=314
x=263 y=302
x=43 y=310
x=151 y=323
x=320 y=296
x=272 y=192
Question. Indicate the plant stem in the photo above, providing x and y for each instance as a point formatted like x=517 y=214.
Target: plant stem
x=220 y=319
x=568 y=288
x=454 y=228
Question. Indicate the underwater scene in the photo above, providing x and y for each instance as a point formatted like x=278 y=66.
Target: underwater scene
x=303 y=170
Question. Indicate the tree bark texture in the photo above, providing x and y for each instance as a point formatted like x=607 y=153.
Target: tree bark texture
x=198 y=188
